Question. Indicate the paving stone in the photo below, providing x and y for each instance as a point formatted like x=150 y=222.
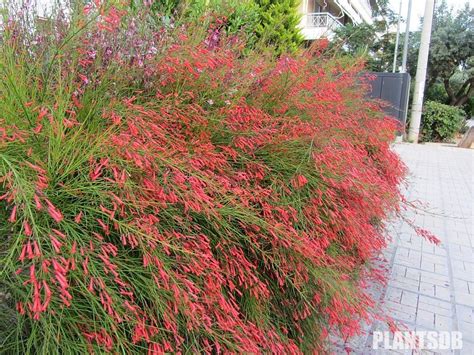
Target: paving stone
x=433 y=302
x=465 y=299
x=413 y=274
x=465 y=314
x=427 y=289
x=435 y=278
x=394 y=295
x=442 y=292
x=467 y=330
x=409 y=298
x=425 y=318
x=467 y=348
x=431 y=287
x=427 y=266
x=443 y=323
x=461 y=285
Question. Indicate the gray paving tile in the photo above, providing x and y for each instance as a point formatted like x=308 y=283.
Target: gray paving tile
x=431 y=287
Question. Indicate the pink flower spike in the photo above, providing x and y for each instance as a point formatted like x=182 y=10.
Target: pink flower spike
x=12 y=218
x=84 y=265
x=37 y=202
x=56 y=244
x=47 y=293
x=43 y=112
x=54 y=212
x=74 y=247
x=20 y=308
x=84 y=79
x=78 y=218
x=45 y=266
x=23 y=253
x=27 y=228
x=38 y=128
x=36 y=249
x=32 y=273
x=87 y=8
x=59 y=233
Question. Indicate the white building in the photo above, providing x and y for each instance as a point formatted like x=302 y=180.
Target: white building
x=321 y=17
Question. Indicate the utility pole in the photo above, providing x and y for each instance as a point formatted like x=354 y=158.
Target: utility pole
x=422 y=66
x=398 y=38
x=407 y=38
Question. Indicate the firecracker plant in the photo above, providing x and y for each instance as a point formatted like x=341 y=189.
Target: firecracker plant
x=162 y=192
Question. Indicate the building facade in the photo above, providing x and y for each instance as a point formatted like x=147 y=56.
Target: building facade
x=321 y=17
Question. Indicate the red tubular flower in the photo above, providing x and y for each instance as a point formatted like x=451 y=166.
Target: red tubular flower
x=299 y=181
x=197 y=217
x=55 y=243
x=78 y=217
x=37 y=202
x=20 y=308
x=12 y=217
x=27 y=228
x=54 y=212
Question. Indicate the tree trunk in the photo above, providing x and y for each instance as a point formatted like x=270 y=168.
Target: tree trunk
x=462 y=96
x=449 y=91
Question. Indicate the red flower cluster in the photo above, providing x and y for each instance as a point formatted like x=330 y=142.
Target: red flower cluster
x=228 y=207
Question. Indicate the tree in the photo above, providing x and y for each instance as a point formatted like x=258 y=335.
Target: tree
x=279 y=20
x=376 y=41
x=452 y=53
x=450 y=77
x=366 y=40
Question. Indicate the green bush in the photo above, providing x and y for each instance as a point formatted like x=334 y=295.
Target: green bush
x=279 y=24
x=441 y=122
x=437 y=93
x=469 y=107
x=261 y=24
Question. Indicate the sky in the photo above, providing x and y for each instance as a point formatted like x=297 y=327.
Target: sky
x=418 y=9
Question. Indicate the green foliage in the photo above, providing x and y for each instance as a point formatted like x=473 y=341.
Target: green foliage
x=375 y=42
x=165 y=7
x=437 y=93
x=278 y=25
x=356 y=38
x=469 y=107
x=261 y=23
x=451 y=61
x=367 y=41
x=450 y=75
x=242 y=19
x=441 y=122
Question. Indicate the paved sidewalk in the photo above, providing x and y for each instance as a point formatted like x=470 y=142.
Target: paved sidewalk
x=432 y=287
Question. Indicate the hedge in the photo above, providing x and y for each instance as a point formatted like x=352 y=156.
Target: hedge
x=159 y=194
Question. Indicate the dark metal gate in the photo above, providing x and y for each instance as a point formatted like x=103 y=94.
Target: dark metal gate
x=394 y=89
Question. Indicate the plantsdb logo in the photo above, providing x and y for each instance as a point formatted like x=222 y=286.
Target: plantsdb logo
x=417 y=340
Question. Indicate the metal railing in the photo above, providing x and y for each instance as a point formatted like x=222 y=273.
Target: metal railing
x=322 y=19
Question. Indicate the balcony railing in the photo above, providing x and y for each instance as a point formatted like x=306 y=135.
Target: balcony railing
x=322 y=19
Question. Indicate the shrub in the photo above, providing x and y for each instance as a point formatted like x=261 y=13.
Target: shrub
x=469 y=107
x=441 y=122
x=437 y=93
x=159 y=195
x=278 y=27
x=262 y=23
x=233 y=18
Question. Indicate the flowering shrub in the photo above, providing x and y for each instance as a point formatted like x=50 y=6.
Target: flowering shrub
x=160 y=195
